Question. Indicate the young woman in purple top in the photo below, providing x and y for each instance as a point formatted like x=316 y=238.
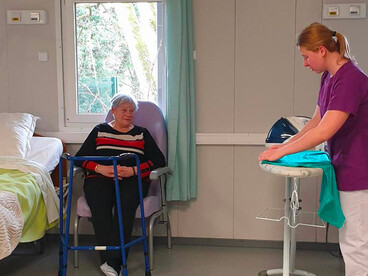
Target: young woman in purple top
x=341 y=119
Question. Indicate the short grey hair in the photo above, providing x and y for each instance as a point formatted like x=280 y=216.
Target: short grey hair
x=121 y=98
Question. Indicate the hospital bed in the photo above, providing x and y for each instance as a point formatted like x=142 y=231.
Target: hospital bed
x=28 y=200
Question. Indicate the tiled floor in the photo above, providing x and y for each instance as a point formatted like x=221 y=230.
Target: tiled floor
x=181 y=260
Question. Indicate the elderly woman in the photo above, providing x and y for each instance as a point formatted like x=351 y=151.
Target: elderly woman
x=111 y=139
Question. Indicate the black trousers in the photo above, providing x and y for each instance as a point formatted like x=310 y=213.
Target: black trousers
x=101 y=198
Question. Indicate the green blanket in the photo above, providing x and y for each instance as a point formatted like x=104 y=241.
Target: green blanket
x=29 y=195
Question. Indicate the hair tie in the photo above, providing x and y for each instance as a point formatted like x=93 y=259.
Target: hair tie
x=334 y=36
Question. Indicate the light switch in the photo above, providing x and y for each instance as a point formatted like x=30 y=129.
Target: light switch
x=42 y=56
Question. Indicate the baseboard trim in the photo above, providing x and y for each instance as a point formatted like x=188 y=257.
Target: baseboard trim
x=83 y=238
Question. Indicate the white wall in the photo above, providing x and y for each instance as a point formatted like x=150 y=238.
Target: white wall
x=248 y=74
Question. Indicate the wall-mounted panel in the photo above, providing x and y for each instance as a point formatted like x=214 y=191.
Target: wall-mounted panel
x=264 y=64
x=214 y=26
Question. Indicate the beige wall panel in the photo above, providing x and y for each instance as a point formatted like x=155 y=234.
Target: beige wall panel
x=308 y=194
x=214 y=26
x=306 y=82
x=264 y=64
x=4 y=90
x=254 y=191
x=333 y=235
x=211 y=214
x=33 y=84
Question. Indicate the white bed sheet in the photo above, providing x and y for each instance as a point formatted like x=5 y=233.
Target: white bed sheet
x=46 y=151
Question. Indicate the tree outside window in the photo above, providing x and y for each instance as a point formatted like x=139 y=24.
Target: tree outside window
x=117 y=50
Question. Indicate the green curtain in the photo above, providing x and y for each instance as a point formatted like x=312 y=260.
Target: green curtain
x=182 y=184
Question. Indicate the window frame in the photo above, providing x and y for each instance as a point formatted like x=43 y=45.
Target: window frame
x=68 y=99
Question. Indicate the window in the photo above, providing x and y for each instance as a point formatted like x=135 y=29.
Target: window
x=110 y=47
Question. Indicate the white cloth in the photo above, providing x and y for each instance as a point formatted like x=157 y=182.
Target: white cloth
x=353 y=236
x=43 y=178
x=11 y=223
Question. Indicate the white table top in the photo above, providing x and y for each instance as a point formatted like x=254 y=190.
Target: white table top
x=298 y=172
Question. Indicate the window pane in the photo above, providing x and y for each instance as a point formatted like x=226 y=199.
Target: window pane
x=118 y=45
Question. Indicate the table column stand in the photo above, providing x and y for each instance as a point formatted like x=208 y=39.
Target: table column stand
x=289 y=250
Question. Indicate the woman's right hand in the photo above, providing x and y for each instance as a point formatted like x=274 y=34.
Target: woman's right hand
x=107 y=171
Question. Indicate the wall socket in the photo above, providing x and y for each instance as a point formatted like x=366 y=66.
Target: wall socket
x=344 y=11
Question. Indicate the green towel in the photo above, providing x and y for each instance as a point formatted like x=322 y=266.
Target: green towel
x=330 y=208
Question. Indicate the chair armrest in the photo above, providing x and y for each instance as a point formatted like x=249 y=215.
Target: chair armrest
x=155 y=174
x=77 y=170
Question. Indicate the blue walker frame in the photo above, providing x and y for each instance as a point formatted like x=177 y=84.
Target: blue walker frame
x=64 y=237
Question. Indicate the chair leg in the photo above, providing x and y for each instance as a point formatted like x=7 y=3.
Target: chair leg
x=168 y=229
x=150 y=244
x=150 y=238
x=76 y=224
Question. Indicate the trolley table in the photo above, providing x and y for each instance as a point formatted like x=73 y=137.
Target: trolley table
x=292 y=215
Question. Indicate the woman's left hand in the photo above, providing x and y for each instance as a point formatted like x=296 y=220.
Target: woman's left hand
x=271 y=154
x=124 y=171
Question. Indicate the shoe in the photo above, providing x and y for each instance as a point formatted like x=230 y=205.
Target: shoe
x=108 y=270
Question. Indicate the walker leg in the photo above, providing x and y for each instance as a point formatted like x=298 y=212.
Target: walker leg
x=120 y=220
x=150 y=242
x=67 y=221
x=147 y=256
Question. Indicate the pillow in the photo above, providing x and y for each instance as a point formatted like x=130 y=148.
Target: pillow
x=16 y=131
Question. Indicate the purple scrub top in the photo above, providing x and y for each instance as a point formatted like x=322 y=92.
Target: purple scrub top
x=347 y=91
